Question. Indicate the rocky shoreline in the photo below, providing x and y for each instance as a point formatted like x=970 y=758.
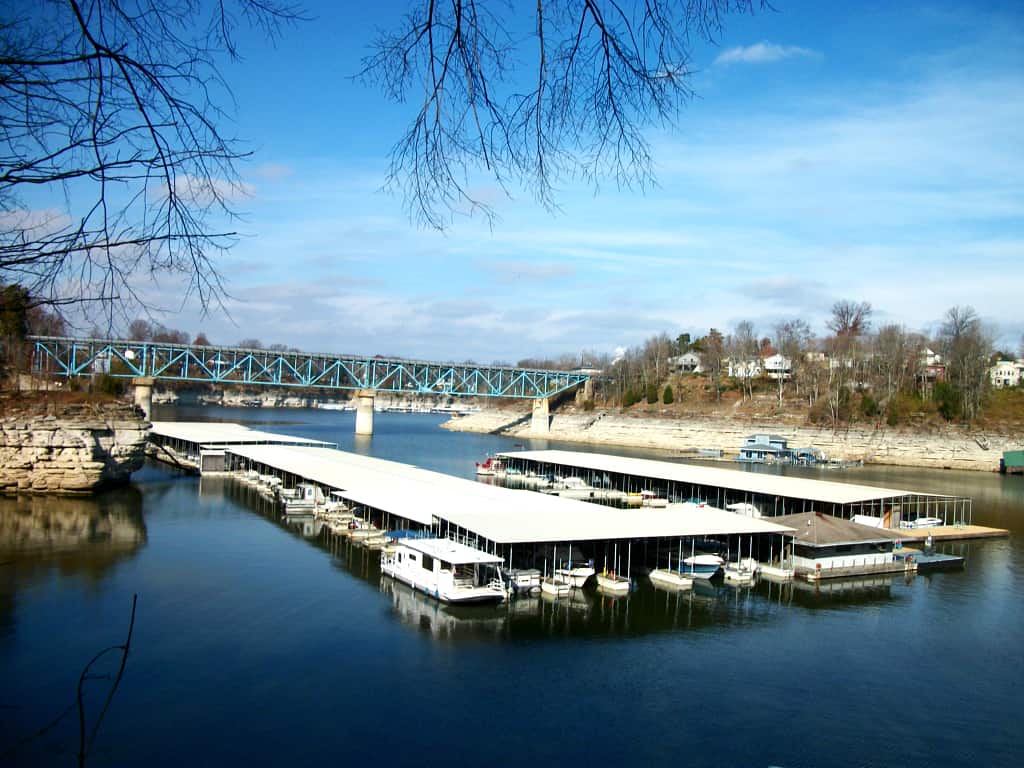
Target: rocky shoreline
x=70 y=448
x=947 y=447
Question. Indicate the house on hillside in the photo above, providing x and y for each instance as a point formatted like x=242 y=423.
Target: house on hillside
x=777 y=367
x=1007 y=373
x=686 y=363
x=744 y=369
x=932 y=368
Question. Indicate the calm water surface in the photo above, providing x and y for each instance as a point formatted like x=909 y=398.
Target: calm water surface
x=255 y=646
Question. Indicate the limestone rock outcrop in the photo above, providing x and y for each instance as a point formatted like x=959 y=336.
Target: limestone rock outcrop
x=947 y=447
x=70 y=448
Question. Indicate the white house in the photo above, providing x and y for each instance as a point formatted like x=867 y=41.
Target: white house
x=777 y=367
x=1007 y=373
x=744 y=369
x=686 y=363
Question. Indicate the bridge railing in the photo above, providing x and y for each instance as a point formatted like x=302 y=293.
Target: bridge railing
x=67 y=357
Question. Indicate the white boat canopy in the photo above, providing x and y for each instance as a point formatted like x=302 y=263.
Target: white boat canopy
x=450 y=551
x=499 y=514
x=734 y=479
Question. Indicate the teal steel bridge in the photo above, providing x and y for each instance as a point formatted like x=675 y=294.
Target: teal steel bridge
x=65 y=357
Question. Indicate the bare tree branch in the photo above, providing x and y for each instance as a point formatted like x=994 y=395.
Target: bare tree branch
x=605 y=71
x=112 y=107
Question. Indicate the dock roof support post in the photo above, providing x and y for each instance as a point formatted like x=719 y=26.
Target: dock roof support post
x=364 y=412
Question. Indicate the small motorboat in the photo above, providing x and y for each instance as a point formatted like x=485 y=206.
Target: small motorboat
x=577 y=576
x=702 y=566
x=742 y=573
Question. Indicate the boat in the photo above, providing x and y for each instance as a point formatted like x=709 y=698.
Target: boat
x=613 y=582
x=741 y=573
x=522 y=580
x=651 y=499
x=447 y=570
x=576 y=576
x=307 y=497
x=742 y=508
x=553 y=585
x=362 y=531
x=335 y=502
x=668 y=578
x=703 y=566
x=922 y=522
x=491 y=467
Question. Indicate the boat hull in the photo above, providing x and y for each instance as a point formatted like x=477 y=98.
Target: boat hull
x=575 y=577
x=618 y=585
x=702 y=566
x=554 y=588
x=666 y=579
x=460 y=596
x=739 y=576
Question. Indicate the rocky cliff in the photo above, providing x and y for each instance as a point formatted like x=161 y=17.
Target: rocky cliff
x=70 y=448
x=951 y=446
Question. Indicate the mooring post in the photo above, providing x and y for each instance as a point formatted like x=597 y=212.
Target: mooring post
x=541 y=422
x=143 y=394
x=364 y=412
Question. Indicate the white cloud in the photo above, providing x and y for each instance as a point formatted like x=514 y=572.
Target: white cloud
x=203 y=191
x=763 y=53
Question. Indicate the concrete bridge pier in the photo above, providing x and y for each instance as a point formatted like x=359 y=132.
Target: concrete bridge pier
x=540 y=424
x=364 y=412
x=143 y=394
x=585 y=393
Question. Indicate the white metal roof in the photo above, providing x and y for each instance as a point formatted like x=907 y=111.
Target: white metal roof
x=450 y=551
x=499 y=514
x=225 y=433
x=734 y=479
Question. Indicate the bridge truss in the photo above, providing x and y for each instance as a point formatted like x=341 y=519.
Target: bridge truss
x=69 y=358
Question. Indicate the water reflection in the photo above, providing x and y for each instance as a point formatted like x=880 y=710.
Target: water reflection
x=88 y=531
x=76 y=537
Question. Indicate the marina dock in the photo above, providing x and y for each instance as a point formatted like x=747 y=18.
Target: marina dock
x=525 y=528
x=772 y=495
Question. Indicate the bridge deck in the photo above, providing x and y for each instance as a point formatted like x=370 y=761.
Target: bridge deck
x=53 y=356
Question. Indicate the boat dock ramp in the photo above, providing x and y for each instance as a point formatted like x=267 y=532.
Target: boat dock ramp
x=365 y=498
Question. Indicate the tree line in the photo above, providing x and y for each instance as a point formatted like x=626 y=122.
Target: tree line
x=854 y=370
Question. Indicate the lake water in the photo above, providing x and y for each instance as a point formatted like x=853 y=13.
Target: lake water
x=255 y=646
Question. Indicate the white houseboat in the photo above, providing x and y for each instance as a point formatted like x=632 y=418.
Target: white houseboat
x=445 y=569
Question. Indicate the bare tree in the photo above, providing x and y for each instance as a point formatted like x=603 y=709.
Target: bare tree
x=742 y=350
x=896 y=360
x=113 y=106
x=792 y=340
x=967 y=347
x=849 y=322
x=850 y=318
x=601 y=72
x=712 y=350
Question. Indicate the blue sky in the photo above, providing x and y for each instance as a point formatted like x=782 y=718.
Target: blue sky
x=863 y=151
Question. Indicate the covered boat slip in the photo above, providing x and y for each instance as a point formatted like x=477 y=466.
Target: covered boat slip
x=772 y=494
x=486 y=514
x=522 y=527
x=192 y=436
